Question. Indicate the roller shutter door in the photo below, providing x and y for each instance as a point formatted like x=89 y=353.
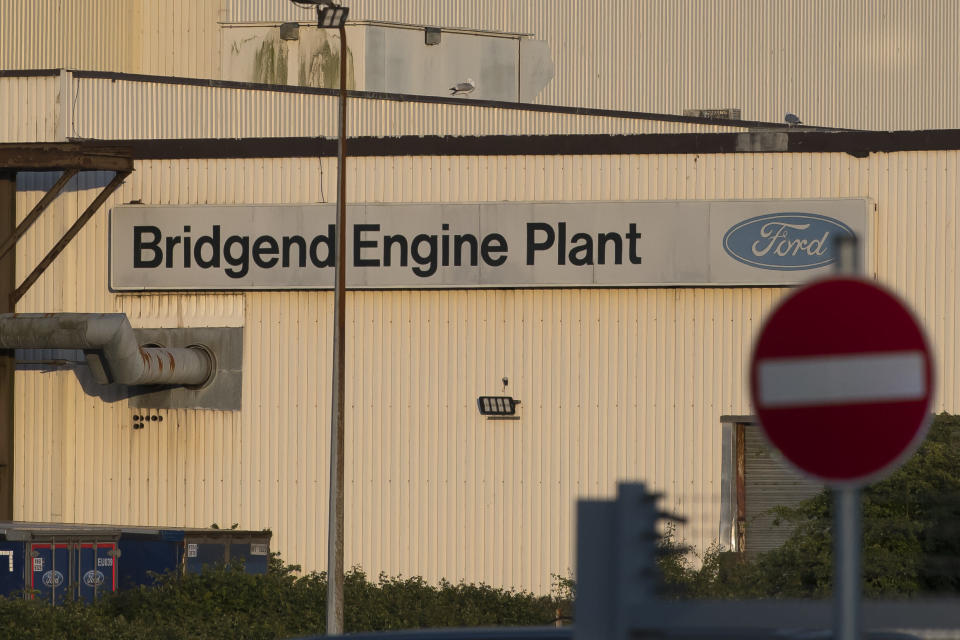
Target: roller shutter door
x=769 y=483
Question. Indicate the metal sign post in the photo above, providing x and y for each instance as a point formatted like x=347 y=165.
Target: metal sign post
x=847 y=530
x=843 y=362
x=847 y=550
x=842 y=380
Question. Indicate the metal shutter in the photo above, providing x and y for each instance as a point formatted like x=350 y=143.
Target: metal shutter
x=769 y=483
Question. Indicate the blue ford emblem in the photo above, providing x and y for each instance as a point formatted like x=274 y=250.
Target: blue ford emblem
x=788 y=241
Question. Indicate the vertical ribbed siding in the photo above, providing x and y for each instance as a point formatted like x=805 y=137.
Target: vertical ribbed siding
x=169 y=37
x=608 y=381
x=180 y=37
x=90 y=34
x=83 y=264
x=29 y=108
x=887 y=64
x=872 y=64
x=615 y=384
x=125 y=109
x=594 y=47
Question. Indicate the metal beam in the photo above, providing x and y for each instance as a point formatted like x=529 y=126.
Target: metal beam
x=8 y=217
x=855 y=143
x=62 y=156
x=68 y=236
x=38 y=209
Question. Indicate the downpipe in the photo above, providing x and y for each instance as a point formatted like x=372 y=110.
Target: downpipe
x=111 y=348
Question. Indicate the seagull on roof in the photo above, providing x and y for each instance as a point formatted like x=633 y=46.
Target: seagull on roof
x=792 y=119
x=463 y=88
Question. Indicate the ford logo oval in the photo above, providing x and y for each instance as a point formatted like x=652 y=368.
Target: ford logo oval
x=93 y=578
x=52 y=579
x=788 y=241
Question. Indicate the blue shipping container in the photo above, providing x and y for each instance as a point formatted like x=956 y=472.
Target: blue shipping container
x=81 y=562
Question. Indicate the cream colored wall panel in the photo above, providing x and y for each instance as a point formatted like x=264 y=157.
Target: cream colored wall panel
x=173 y=37
x=890 y=64
x=435 y=490
x=177 y=310
x=856 y=63
x=615 y=384
x=83 y=462
x=181 y=37
x=85 y=34
x=135 y=109
x=29 y=108
x=594 y=47
x=82 y=264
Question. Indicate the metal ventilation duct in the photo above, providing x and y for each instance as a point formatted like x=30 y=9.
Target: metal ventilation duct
x=112 y=351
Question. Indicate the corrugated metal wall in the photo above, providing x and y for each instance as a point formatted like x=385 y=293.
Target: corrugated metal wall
x=619 y=383
x=136 y=109
x=92 y=34
x=111 y=108
x=168 y=37
x=871 y=64
x=29 y=108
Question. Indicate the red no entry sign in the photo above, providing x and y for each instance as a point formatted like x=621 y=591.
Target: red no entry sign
x=841 y=379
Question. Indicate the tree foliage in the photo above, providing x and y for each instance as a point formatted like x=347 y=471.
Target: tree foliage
x=911 y=537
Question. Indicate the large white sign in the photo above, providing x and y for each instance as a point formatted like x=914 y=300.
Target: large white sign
x=526 y=244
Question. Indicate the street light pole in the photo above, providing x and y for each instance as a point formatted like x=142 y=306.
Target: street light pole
x=333 y=16
x=335 y=523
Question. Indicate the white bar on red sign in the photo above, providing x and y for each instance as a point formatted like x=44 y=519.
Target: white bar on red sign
x=841 y=379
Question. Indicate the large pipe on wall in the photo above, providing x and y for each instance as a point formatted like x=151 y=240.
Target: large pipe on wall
x=110 y=336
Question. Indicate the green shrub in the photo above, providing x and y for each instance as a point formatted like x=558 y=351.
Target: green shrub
x=910 y=538
x=225 y=602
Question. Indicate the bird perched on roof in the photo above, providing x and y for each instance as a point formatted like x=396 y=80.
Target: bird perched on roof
x=792 y=119
x=463 y=88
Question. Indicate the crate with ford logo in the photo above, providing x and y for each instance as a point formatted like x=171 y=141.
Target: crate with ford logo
x=61 y=562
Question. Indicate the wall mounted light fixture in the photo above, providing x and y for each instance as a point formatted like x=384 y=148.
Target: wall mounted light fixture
x=497 y=405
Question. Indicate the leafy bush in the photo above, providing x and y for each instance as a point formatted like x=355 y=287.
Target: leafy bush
x=911 y=522
x=225 y=602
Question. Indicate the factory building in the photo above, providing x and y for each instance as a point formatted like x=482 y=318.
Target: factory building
x=552 y=241
x=856 y=64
